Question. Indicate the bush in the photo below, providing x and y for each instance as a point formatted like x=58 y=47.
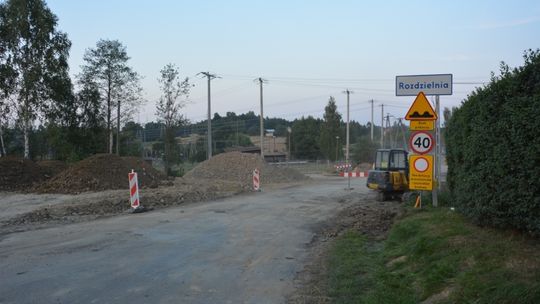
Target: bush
x=493 y=149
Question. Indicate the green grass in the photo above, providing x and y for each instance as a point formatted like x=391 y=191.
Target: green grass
x=435 y=252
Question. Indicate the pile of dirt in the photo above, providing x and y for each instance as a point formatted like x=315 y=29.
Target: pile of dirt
x=238 y=167
x=364 y=167
x=51 y=167
x=17 y=174
x=144 y=170
x=101 y=172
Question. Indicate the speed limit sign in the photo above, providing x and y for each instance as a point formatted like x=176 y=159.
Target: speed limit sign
x=421 y=142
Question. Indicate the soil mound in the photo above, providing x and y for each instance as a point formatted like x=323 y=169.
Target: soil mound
x=238 y=167
x=51 y=167
x=364 y=167
x=17 y=174
x=144 y=169
x=102 y=172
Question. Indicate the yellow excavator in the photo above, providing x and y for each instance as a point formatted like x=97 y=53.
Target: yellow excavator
x=390 y=174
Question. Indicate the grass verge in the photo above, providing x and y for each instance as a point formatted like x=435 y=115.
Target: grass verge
x=435 y=256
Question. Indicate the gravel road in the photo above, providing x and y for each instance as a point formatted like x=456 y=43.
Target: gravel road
x=243 y=249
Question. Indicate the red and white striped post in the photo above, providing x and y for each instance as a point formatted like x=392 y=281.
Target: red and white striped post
x=256 y=180
x=134 y=190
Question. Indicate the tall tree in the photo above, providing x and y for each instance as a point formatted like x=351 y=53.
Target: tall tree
x=305 y=138
x=106 y=66
x=33 y=58
x=174 y=92
x=330 y=130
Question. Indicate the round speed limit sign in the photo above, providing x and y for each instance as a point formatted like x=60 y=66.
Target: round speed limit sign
x=421 y=142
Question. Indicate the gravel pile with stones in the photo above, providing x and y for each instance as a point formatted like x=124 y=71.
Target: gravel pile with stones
x=238 y=167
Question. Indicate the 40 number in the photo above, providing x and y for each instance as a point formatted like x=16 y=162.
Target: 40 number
x=422 y=142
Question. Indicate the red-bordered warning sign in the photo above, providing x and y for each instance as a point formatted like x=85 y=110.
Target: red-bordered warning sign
x=421 y=142
x=421 y=109
x=421 y=164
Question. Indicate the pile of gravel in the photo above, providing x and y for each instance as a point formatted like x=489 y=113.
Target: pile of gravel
x=238 y=167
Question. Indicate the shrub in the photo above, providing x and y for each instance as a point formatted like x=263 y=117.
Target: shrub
x=493 y=149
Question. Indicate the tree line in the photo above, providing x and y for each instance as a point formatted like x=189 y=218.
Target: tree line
x=69 y=119
x=75 y=117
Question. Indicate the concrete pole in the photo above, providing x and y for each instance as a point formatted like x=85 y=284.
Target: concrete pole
x=262 y=117
x=289 y=130
x=382 y=126
x=347 y=163
x=209 y=149
x=371 y=120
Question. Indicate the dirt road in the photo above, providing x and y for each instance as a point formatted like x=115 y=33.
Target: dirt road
x=243 y=249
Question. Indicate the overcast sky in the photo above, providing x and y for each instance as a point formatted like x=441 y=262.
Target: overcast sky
x=307 y=50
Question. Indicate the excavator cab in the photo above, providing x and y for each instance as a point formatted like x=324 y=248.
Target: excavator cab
x=390 y=173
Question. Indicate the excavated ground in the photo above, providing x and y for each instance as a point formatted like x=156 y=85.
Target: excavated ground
x=98 y=187
x=101 y=172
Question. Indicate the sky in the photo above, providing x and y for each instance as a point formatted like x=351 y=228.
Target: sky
x=306 y=50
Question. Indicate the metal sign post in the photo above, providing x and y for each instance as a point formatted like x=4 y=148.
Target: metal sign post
x=437 y=153
x=422 y=115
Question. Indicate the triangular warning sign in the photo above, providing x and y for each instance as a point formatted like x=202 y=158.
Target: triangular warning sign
x=421 y=109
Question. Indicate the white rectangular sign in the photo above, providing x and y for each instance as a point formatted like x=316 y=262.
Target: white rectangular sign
x=411 y=85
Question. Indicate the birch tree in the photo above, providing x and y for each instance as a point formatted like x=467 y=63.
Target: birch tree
x=106 y=66
x=33 y=57
x=174 y=93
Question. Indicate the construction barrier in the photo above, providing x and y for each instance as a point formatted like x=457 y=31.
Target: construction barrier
x=342 y=167
x=256 y=180
x=353 y=174
x=133 y=190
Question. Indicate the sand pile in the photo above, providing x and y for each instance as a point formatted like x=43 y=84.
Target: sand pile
x=102 y=172
x=238 y=167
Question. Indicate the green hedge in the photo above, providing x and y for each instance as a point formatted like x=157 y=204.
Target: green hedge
x=493 y=149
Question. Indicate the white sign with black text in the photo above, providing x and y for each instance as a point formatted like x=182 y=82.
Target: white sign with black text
x=411 y=85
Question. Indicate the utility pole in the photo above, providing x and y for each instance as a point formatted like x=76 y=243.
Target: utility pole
x=289 y=130
x=388 y=127
x=261 y=81
x=382 y=126
x=371 y=101
x=209 y=76
x=400 y=122
x=347 y=149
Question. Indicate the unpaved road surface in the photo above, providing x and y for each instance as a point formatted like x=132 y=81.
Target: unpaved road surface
x=243 y=249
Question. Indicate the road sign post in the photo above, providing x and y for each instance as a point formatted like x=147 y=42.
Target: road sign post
x=421 y=142
x=422 y=115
